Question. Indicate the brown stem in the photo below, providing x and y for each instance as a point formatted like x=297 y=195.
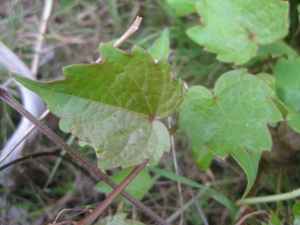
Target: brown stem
x=65 y=222
x=244 y=218
x=100 y=208
x=56 y=139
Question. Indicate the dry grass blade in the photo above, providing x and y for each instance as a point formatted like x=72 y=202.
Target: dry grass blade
x=134 y=27
x=31 y=103
x=39 y=42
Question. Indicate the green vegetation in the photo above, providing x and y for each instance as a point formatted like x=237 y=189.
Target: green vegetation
x=237 y=98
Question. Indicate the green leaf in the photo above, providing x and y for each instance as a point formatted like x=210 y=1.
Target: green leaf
x=277 y=49
x=233 y=29
x=161 y=46
x=183 y=7
x=287 y=80
x=115 y=106
x=202 y=157
x=232 y=119
x=138 y=187
x=293 y=120
x=268 y=79
x=296 y=213
x=119 y=219
x=274 y=218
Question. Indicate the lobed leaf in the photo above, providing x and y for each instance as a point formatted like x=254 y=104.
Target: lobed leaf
x=115 y=106
x=233 y=29
x=231 y=120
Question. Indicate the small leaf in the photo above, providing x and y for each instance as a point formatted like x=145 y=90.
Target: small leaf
x=233 y=29
x=115 y=106
x=202 y=158
x=275 y=219
x=119 y=219
x=161 y=46
x=183 y=7
x=293 y=120
x=268 y=79
x=232 y=120
x=277 y=49
x=287 y=80
x=287 y=77
x=296 y=213
x=138 y=187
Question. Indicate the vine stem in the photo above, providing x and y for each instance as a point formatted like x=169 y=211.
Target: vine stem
x=100 y=208
x=270 y=198
x=59 y=141
x=241 y=221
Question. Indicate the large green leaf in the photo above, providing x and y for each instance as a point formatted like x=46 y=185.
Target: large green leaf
x=287 y=81
x=232 y=119
x=115 y=106
x=138 y=187
x=233 y=29
x=119 y=219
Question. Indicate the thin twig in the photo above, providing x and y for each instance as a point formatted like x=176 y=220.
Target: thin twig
x=100 y=208
x=200 y=211
x=269 y=198
x=52 y=153
x=69 y=209
x=31 y=156
x=201 y=192
x=39 y=42
x=29 y=130
x=134 y=27
x=59 y=141
x=244 y=218
x=176 y=167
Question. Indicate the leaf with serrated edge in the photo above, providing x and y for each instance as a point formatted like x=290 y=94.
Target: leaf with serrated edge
x=115 y=106
x=119 y=219
x=232 y=120
x=232 y=29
